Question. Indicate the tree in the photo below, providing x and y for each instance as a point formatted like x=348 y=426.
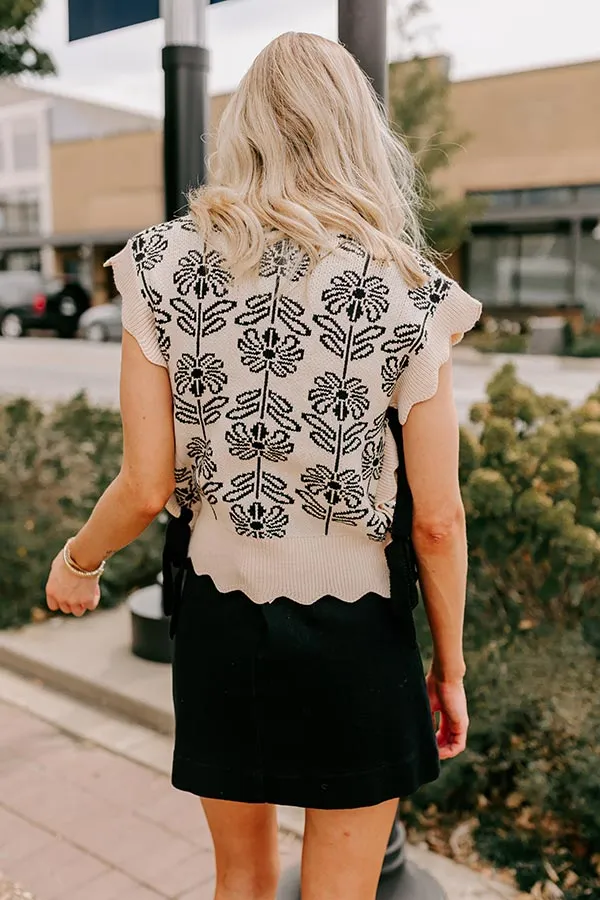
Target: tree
x=18 y=56
x=421 y=112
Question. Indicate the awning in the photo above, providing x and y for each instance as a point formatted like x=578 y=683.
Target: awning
x=91 y=238
x=76 y=239
x=20 y=242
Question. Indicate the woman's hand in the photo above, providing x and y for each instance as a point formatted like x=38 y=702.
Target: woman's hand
x=448 y=698
x=70 y=593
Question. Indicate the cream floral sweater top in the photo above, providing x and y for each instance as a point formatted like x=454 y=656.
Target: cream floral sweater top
x=281 y=384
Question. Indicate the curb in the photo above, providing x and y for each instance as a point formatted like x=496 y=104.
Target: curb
x=101 y=696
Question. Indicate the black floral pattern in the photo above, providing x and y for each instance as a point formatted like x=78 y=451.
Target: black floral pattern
x=358 y=295
x=202 y=273
x=380 y=523
x=148 y=250
x=284 y=260
x=187 y=491
x=198 y=375
x=337 y=398
x=269 y=351
x=256 y=521
x=410 y=338
x=264 y=417
x=372 y=460
x=391 y=371
x=336 y=487
x=344 y=397
x=354 y=331
x=201 y=451
x=258 y=441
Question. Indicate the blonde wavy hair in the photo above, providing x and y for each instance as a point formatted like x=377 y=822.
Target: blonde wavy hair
x=304 y=150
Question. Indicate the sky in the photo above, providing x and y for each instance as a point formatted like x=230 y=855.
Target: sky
x=482 y=38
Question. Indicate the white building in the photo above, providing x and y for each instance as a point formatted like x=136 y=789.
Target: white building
x=31 y=121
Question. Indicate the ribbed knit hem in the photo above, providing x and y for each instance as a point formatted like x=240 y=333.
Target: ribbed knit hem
x=303 y=569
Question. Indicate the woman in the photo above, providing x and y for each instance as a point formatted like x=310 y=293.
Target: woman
x=275 y=341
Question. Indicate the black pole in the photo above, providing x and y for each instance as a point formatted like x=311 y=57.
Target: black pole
x=185 y=63
x=363 y=31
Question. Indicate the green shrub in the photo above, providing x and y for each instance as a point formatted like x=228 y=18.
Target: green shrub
x=501 y=343
x=531 y=484
x=530 y=469
x=530 y=774
x=53 y=467
x=585 y=344
x=500 y=336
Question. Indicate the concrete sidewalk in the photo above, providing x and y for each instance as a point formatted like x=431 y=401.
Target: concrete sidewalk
x=120 y=698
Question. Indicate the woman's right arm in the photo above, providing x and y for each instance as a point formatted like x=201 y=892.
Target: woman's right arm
x=431 y=441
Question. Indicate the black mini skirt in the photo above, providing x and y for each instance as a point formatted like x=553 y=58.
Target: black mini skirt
x=320 y=706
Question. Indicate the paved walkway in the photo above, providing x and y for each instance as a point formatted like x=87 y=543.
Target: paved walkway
x=78 y=822
x=119 y=762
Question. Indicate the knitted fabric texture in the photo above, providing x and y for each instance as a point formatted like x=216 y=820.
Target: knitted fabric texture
x=281 y=383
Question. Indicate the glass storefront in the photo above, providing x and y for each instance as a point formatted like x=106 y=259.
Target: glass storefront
x=535 y=270
x=493 y=261
x=546 y=270
x=588 y=273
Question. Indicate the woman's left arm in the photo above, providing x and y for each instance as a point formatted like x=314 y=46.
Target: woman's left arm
x=139 y=492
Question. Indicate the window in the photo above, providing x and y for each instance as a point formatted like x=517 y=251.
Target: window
x=25 y=145
x=532 y=270
x=585 y=196
x=559 y=196
x=546 y=270
x=19 y=215
x=497 y=199
x=493 y=265
x=23 y=261
x=588 y=275
x=588 y=195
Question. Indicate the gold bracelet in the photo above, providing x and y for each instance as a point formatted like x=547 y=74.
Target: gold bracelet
x=77 y=570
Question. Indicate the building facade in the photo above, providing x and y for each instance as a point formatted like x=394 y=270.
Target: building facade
x=77 y=179
x=25 y=179
x=533 y=159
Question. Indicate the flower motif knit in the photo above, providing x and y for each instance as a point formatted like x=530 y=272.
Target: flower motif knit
x=282 y=381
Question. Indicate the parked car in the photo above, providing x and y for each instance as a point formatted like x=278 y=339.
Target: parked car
x=30 y=301
x=102 y=323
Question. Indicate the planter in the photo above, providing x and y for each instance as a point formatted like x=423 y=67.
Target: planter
x=149 y=627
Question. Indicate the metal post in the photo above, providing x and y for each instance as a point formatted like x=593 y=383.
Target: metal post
x=576 y=293
x=185 y=63
x=363 y=31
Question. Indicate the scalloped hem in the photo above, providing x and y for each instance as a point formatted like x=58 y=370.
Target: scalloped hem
x=303 y=568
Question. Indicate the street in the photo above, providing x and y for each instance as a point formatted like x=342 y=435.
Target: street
x=49 y=369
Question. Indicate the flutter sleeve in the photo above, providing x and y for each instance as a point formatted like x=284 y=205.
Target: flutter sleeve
x=438 y=315
x=137 y=315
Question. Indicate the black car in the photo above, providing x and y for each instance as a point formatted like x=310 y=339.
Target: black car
x=28 y=301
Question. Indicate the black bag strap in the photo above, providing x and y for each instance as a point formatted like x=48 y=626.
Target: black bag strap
x=403 y=513
x=175 y=555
